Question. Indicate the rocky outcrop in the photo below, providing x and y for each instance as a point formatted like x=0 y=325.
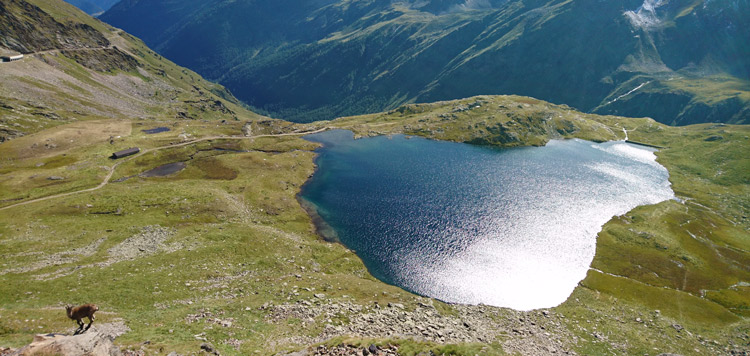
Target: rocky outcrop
x=347 y=350
x=8 y=134
x=28 y=29
x=532 y=333
x=107 y=60
x=90 y=343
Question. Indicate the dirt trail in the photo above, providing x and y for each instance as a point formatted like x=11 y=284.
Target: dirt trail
x=58 y=50
x=112 y=170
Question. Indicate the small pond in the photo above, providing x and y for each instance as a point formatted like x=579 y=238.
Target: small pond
x=461 y=223
x=164 y=170
x=156 y=130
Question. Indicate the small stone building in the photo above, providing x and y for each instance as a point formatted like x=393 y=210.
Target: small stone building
x=125 y=153
x=11 y=58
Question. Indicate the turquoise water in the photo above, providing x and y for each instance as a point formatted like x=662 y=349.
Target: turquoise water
x=461 y=223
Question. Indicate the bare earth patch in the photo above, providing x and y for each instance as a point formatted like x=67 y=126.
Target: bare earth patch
x=151 y=240
x=63 y=138
x=57 y=259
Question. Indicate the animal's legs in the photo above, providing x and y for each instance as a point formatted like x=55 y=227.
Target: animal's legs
x=91 y=321
x=80 y=327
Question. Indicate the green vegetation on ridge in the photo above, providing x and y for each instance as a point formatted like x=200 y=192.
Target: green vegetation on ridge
x=77 y=69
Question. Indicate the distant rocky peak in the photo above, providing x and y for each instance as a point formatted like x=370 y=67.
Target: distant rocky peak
x=450 y=6
x=472 y=5
x=648 y=15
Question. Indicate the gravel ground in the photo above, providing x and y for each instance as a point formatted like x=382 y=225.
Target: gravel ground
x=528 y=333
x=151 y=240
x=56 y=259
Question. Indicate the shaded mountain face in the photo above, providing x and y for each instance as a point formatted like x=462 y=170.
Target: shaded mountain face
x=678 y=62
x=440 y=7
x=93 y=7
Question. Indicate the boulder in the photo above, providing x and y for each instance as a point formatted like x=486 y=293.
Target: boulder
x=209 y=348
x=90 y=343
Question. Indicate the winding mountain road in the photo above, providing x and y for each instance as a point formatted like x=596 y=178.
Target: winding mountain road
x=112 y=169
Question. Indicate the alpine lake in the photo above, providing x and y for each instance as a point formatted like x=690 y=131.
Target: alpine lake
x=513 y=228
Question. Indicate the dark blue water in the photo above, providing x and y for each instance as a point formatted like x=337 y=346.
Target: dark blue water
x=156 y=130
x=462 y=223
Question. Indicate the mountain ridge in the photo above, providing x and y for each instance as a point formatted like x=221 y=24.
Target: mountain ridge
x=337 y=58
x=88 y=71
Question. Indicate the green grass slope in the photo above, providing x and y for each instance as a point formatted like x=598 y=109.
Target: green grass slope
x=77 y=68
x=222 y=252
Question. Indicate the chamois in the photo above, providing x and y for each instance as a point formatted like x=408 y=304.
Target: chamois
x=80 y=312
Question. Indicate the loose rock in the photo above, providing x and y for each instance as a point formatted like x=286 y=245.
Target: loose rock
x=89 y=343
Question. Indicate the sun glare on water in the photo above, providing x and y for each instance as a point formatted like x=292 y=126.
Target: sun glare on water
x=513 y=228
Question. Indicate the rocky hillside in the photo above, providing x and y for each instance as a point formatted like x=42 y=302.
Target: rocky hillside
x=28 y=29
x=77 y=68
x=679 y=62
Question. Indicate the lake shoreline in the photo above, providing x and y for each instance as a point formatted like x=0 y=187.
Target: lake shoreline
x=420 y=213
x=325 y=231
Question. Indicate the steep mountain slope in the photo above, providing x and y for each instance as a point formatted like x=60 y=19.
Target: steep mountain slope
x=77 y=68
x=678 y=62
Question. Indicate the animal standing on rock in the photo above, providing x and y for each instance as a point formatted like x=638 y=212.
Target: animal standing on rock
x=80 y=312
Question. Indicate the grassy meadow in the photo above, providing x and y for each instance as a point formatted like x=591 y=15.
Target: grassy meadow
x=222 y=252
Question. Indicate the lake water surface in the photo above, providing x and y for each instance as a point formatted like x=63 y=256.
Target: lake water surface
x=461 y=223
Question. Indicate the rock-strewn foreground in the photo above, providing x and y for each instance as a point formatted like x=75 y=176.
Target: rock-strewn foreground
x=91 y=343
x=97 y=341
